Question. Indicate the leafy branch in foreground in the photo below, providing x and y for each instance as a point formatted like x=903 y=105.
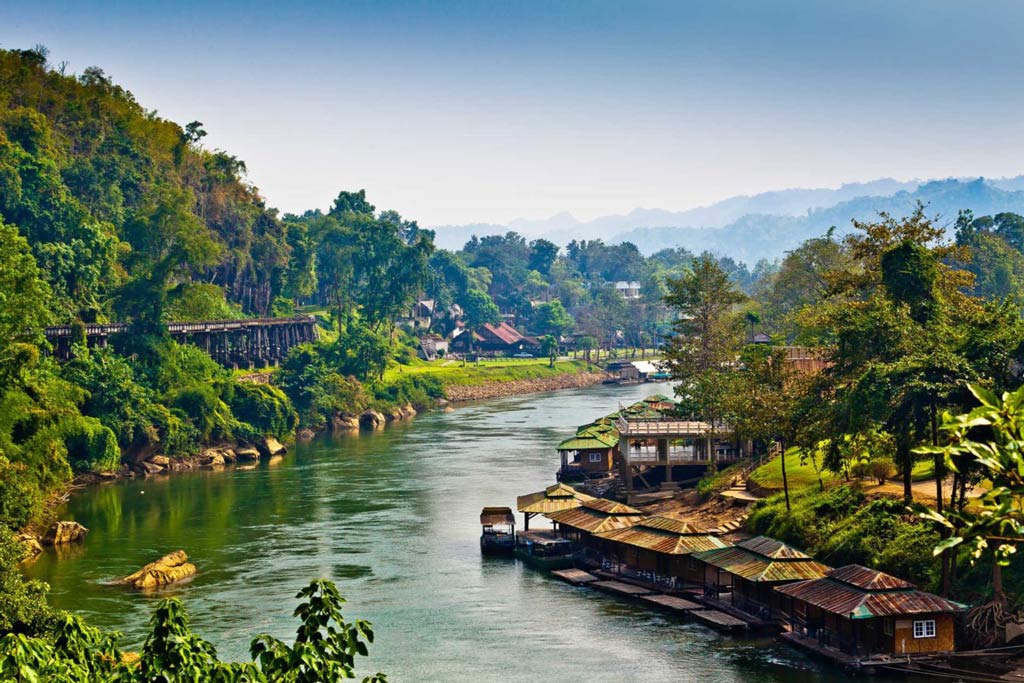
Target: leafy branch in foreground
x=325 y=649
x=992 y=437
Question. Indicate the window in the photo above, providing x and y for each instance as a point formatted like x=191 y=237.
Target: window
x=924 y=629
x=887 y=627
x=595 y=457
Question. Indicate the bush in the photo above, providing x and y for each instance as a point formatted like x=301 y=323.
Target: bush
x=881 y=469
x=842 y=526
x=91 y=446
x=202 y=405
x=19 y=498
x=264 y=408
x=422 y=392
x=715 y=482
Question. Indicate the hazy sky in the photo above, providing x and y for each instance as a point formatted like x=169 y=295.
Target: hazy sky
x=454 y=112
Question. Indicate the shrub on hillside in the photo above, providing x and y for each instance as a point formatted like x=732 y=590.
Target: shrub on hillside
x=91 y=446
x=841 y=526
x=420 y=391
x=263 y=407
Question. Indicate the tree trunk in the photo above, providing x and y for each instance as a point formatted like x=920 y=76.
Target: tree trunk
x=785 y=481
x=998 y=594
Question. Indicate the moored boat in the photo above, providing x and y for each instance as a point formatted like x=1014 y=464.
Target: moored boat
x=499 y=531
x=544 y=550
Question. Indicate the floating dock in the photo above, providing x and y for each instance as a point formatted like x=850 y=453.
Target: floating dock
x=576 y=577
x=620 y=588
x=673 y=603
x=719 y=620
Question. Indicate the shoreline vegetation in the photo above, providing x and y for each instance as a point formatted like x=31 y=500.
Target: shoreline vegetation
x=463 y=384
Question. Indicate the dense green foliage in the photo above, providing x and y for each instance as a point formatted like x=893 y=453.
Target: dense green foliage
x=897 y=328
x=325 y=648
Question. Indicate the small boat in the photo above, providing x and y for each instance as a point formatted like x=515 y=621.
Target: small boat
x=499 y=531
x=544 y=550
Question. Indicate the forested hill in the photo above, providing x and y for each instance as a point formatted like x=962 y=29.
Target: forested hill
x=108 y=193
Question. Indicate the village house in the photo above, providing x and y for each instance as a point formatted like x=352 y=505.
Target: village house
x=750 y=571
x=658 y=545
x=628 y=289
x=495 y=339
x=865 y=612
x=591 y=452
x=593 y=516
x=432 y=347
x=554 y=498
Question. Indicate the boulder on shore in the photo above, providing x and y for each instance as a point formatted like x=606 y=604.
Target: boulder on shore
x=229 y=455
x=33 y=548
x=151 y=468
x=168 y=569
x=344 y=423
x=305 y=434
x=372 y=419
x=211 y=458
x=269 y=447
x=161 y=460
x=248 y=454
x=64 y=532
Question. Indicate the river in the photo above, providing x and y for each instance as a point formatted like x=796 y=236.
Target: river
x=392 y=517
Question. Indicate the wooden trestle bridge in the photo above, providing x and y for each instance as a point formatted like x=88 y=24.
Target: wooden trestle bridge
x=256 y=342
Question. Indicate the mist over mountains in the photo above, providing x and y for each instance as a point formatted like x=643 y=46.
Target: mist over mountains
x=764 y=225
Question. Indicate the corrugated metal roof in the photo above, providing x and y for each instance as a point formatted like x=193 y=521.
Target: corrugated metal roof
x=552 y=499
x=610 y=507
x=850 y=601
x=753 y=566
x=772 y=549
x=497 y=516
x=593 y=520
x=589 y=442
x=868 y=579
x=675 y=526
x=661 y=541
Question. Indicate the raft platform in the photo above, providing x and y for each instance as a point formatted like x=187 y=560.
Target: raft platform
x=672 y=603
x=576 y=577
x=719 y=620
x=620 y=588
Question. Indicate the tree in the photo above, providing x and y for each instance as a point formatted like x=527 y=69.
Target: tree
x=992 y=436
x=325 y=648
x=478 y=308
x=24 y=304
x=705 y=341
x=549 y=348
x=542 y=256
x=552 y=318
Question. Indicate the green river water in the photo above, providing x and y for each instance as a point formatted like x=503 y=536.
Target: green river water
x=392 y=517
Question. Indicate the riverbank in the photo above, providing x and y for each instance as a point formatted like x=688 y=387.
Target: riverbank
x=498 y=388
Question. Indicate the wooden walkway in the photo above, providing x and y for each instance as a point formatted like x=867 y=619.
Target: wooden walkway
x=719 y=620
x=671 y=602
x=619 y=588
x=576 y=577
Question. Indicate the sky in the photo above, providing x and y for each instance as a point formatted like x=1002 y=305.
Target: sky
x=462 y=112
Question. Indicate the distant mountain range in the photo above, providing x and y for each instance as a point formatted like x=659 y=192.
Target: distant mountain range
x=765 y=225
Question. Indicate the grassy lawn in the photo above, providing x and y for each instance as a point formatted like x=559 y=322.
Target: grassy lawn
x=800 y=475
x=769 y=476
x=499 y=370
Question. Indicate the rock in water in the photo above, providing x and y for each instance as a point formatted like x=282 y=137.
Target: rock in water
x=247 y=454
x=269 y=447
x=31 y=546
x=168 y=569
x=65 y=532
